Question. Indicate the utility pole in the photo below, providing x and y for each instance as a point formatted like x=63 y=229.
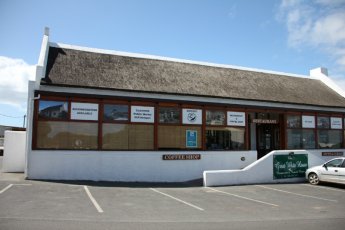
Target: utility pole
x=24 y=121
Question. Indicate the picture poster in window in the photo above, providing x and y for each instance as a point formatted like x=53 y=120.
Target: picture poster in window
x=84 y=111
x=308 y=122
x=236 y=118
x=144 y=114
x=192 y=116
x=191 y=138
x=336 y=123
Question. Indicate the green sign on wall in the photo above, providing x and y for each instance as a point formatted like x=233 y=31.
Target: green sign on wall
x=289 y=166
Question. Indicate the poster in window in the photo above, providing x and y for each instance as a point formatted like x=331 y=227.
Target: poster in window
x=115 y=112
x=191 y=139
x=336 y=123
x=143 y=114
x=308 y=122
x=192 y=116
x=84 y=111
x=53 y=109
x=236 y=118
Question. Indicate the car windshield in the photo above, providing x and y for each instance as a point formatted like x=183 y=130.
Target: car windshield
x=335 y=163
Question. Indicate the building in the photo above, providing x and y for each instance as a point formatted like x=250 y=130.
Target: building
x=106 y=115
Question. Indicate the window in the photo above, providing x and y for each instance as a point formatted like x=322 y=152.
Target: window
x=53 y=109
x=330 y=139
x=67 y=135
x=300 y=139
x=227 y=138
x=140 y=137
x=323 y=123
x=174 y=137
x=115 y=136
x=215 y=117
x=335 y=163
x=169 y=115
x=115 y=113
x=294 y=121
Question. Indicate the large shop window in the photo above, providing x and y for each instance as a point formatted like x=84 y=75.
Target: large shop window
x=310 y=132
x=174 y=136
x=119 y=134
x=225 y=138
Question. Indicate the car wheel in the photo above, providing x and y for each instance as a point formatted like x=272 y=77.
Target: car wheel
x=313 y=179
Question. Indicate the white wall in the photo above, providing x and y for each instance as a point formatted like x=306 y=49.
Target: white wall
x=261 y=171
x=14 y=151
x=143 y=166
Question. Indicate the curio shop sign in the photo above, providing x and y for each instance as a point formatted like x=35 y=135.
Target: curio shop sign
x=181 y=157
x=289 y=166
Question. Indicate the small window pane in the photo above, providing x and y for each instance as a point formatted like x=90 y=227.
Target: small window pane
x=67 y=135
x=329 y=139
x=215 y=117
x=174 y=137
x=335 y=163
x=140 y=137
x=294 y=121
x=323 y=122
x=115 y=112
x=115 y=136
x=225 y=138
x=53 y=109
x=169 y=115
x=300 y=139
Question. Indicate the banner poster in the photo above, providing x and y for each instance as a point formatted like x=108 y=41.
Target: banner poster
x=336 y=123
x=236 y=118
x=289 y=166
x=143 y=114
x=192 y=116
x=191 y=139
x=84 y=111
x=308 y=122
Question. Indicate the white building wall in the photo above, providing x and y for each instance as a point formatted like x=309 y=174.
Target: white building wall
x=14 y=151
x=143 y=166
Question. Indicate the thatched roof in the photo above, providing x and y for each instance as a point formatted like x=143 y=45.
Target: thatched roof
x=70 y=67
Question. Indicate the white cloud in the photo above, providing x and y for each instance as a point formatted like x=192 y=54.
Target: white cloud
x=14 y=77
x=319 y=24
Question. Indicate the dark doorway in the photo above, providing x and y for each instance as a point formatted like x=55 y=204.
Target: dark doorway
x=267 y=138
x=267 y=133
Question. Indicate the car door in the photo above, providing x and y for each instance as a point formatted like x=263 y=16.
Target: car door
x=331 y=170
x=341 y=171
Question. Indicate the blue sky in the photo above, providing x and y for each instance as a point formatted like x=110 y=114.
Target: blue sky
x=286 y=36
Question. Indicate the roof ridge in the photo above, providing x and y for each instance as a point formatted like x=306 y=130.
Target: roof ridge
x=162 y=58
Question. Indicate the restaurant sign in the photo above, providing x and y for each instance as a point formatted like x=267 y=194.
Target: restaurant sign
x=265 y=121
x=289 y=166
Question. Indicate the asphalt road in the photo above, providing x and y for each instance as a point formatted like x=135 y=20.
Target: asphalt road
x=37 y=205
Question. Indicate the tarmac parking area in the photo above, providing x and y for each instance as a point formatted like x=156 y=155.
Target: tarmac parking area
x=35 y=205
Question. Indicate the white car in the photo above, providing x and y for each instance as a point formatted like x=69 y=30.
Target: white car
x=331 y=171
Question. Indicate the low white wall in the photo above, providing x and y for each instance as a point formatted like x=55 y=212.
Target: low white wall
x=261 y=171
x=140 y=166
x=14 y=151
